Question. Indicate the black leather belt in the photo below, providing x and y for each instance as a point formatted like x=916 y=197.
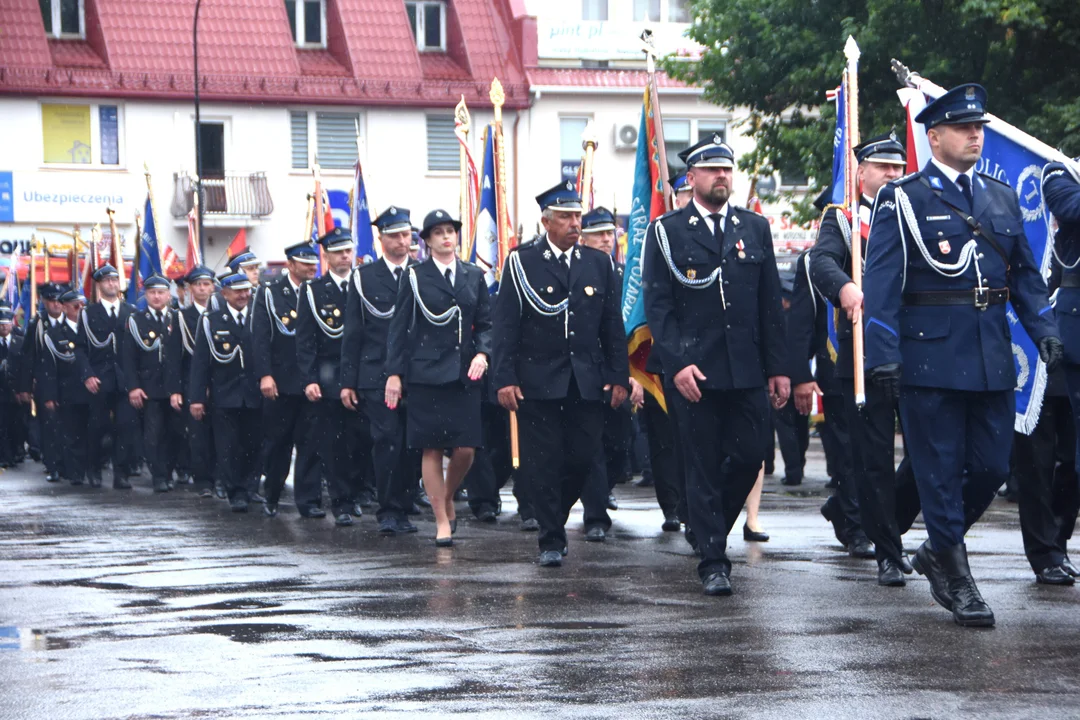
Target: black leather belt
x=1070 y=280
x=977 y=297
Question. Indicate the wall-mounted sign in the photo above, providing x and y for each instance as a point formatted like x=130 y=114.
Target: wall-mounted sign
x=596 y=40
x=70 y=197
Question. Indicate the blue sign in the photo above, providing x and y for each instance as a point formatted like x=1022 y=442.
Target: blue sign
x=7 y=197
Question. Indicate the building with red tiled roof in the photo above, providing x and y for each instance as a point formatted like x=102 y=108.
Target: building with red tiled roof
x=98 y=90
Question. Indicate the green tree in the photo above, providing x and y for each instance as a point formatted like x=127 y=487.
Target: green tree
x=778 y=58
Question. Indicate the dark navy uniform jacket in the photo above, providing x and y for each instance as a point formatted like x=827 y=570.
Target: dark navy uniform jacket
x=1061 y=192
x=181 y=349
x=949 y=346
x=541 y=353
x=221 y=369
x=104 y=336
x=320 y=325
x=31 y=368
x=424 y=353
x=65 y=366
x=144 y=343
x=363 y=350
x=273 y=326
x=830 y=270
x=808 y=333
x=736 y=348
x=10 y=366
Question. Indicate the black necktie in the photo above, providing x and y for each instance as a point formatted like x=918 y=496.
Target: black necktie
x=718 y=228
x=112 y=313
x=449 y=277
x=397 y=275
x=240 y=318
x=965 y=187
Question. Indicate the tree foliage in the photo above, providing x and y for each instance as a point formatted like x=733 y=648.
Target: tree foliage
x=779 y=57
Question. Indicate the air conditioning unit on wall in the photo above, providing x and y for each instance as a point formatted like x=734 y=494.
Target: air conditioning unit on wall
x=626 y=136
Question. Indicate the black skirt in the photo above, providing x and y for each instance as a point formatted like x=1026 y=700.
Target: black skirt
x=443 y=416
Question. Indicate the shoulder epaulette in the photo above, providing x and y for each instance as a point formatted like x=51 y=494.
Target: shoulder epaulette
x=669 y=213
x=907 y=178
x=991 y=177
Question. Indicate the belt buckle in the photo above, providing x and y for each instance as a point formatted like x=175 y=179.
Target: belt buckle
x=982 y=298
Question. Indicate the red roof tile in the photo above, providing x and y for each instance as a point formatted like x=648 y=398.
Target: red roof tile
x=597 y=77
x=246 y=53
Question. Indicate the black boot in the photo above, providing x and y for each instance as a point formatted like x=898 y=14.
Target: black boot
x=925 y=562
x=969 y=609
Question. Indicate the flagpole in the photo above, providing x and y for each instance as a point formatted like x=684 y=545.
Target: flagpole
x=32 y=277
x=851 y=98
x=588 y=144
x=462 y=125
x=117 y=249
x=135 y=270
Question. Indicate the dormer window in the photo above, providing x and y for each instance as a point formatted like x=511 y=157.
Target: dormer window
x=428 y=21
x=63 y=18
x=307 y=21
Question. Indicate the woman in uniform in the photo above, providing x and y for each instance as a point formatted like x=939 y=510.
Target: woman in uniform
x=438 y=347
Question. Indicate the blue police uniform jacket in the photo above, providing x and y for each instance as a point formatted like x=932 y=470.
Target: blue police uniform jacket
x=737 y=347
x=1061 y=192
x=954 y=347
x=428 y=353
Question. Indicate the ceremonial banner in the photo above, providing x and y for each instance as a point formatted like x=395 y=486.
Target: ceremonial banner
x=646 y=205
x=839 y=163
x=148 y=255
x=1014 y=157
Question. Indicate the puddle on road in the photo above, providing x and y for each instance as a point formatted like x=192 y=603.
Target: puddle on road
x=14 y=638
x=249 y=632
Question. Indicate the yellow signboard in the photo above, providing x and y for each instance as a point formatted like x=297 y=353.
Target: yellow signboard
x=66 y=132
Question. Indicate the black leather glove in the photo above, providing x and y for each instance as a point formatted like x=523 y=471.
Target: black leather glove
x=887 y=379
x=1051 y=352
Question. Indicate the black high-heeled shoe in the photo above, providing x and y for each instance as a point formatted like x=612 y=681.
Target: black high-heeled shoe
x=444 y=542
x=754 y=535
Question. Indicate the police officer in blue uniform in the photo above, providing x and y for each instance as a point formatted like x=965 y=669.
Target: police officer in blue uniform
x=712 y=301
x=66 y=372
x=288 y=417
x=372 y=296
x=559 y=347
x=866 y=505
x=111 y=415
x=223 y=378
x=185 y=326
x=946 y=252
x=145 y=366
x=320 y=325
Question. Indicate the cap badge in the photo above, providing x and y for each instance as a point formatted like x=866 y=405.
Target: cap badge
x=892 y=136
x=393 y=210
x=717 y=139
x=438 y=213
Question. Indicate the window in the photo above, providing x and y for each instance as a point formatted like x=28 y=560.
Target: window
x=335 y=144
x=647 y=10
x=428 y=21
x=63 y=18
x=442 y=144
x=80 y=134
x=676 y=139
x=298 y=126
x=678 y=11
x=594 y=10
x=307 y=21
x=570 y=151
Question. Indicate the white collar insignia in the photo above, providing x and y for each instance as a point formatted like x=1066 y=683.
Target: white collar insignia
x=547 y=254
x=577 y=254
x=734 y=219
x=693 y=219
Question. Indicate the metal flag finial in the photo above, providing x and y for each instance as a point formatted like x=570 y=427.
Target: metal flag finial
x=462 y=117
x=589 y=136
x=851 y=49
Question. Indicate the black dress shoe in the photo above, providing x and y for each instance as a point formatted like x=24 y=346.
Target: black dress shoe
x=120 y=483
x=270 y=509
x=206 y=493
x=753 y=535
x=343 y=519
x=671 y=523
x=969 y=609
x=387 y=526
x=612 y=503
x=905 y=565
x=790 y=482
x=1068 y=567
x=1054 y=575
x=356 y=510
x=861 y=548
x=486 y=516
x=313 y=512
x=717 y=584
x=237 y=505
x=404 y=526
x=52 y=477
x=550 y=558
x=530 y=525
x=444 y=542
x=889 y=574
x=925 y=562
x=220 y=491
x=595 y=534
x=160 y=486
x=461 y=495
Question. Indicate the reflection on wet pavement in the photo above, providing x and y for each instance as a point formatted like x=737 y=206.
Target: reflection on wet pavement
x=143 y=606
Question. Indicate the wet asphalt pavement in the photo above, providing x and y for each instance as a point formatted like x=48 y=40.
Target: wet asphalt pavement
x=131 y=605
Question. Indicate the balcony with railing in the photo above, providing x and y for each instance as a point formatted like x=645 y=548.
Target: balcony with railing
x=233 y=197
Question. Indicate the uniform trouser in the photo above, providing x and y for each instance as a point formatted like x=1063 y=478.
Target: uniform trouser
x=75 y=420
x=663 y=457
x=559 y=442
x=288 y=423
x=725 y=436
x=236 y=432
x=155 y=433
x=793 y=436
x=21 y=436
x=338 y=429
x=840 y=434
x=9 y=418
x=950 y=433
x=200 y=440
x=112 y=416
x=1049 y=496
x=390 y=456
x=51 y=438
x=492 y=464
x=609 y=466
